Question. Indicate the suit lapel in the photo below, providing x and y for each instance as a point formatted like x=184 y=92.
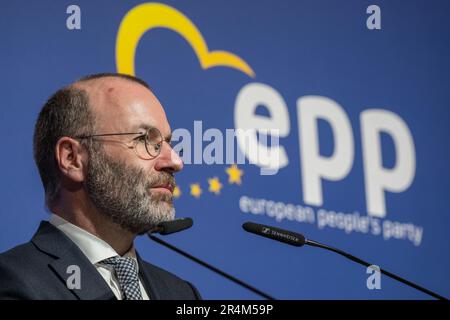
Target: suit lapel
x=147 y=279
x=69 y=259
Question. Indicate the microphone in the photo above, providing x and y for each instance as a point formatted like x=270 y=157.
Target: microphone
x=278 y=234
x=177 y=225
x=169 y=227
x=299 y=240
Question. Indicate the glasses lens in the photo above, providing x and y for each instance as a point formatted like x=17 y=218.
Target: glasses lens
x=149 y=146
x=153 y=142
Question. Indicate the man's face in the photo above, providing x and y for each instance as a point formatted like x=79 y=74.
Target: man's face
x=134 y=192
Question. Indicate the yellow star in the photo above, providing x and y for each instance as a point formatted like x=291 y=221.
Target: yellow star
x=196 y=191
x=176 y=192
x=234 y=174
x=214 y=185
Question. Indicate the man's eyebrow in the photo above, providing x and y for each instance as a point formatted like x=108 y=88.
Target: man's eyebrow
x=143 y=127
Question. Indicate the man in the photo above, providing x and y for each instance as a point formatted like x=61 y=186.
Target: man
x=102 y=147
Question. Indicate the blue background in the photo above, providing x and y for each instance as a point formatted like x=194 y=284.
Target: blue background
x=297 y=47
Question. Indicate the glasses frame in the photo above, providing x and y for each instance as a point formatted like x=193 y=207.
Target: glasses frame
x=141 y=134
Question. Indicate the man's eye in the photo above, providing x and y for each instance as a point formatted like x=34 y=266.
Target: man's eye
x=158 y=146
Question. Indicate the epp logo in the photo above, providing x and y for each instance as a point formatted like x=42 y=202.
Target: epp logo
x=310 y=110
x=147 y=16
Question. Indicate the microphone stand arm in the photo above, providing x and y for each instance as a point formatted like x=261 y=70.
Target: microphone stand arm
x=212 y=268
x=365 y=263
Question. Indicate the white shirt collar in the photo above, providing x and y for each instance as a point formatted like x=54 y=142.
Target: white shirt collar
x=94 y=248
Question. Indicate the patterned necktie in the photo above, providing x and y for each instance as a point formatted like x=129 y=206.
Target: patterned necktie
x=127 y=274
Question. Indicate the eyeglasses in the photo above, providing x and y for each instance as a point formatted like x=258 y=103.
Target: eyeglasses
x=147 y=145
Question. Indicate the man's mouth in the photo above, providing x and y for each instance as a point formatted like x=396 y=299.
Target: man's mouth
x=164 y=188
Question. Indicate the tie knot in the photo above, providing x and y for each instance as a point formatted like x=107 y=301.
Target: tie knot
x=127 y=273
x=125 y=268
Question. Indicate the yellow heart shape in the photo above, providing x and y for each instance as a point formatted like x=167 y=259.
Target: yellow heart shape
x=148 y=16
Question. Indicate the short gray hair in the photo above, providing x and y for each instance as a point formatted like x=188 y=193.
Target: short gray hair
x=66 y=113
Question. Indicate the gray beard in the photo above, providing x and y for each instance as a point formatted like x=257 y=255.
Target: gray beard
x=122 y=193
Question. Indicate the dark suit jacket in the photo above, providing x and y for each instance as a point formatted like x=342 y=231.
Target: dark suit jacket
x=38 y=270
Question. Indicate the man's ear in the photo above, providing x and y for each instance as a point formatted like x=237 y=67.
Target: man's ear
x=70 y=157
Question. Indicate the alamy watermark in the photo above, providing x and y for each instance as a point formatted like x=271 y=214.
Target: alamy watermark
x=374 y=280
x=73 y=21
x=74 y=279
x=231 y=146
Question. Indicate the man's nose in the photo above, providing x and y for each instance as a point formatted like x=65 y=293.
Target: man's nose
x=168 y=159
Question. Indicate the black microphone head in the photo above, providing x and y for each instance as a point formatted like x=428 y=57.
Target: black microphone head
x=289 y=237
x=173 y=226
